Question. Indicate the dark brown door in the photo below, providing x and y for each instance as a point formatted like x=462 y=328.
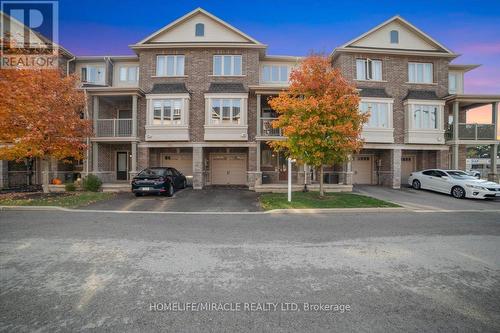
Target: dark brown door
x=121 y=165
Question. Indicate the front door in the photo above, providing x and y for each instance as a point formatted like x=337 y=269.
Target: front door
x=121 y=165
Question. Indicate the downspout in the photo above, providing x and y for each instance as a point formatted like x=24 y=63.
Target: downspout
x=67 y=65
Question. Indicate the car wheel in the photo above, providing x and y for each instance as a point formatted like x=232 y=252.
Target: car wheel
x=416 y=184
x=170 y=191
x=458 y=192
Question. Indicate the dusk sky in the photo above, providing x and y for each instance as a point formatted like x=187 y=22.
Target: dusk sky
x=470 y=28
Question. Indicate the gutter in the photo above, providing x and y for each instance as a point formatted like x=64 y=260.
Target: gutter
x=67 y=65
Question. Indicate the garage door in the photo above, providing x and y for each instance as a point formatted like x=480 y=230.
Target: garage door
x=228 y=169
x=407 y=167
x=181 y=162
x=362 y=170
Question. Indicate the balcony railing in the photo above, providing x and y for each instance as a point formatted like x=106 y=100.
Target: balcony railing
x=114 y=128
x=473 y=132
x=266 y=127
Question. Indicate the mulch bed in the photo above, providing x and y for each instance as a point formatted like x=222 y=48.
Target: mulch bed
x=34 y=195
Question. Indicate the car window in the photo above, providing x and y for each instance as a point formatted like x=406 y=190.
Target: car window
x=439 y=173
x=174 y=171
x=151 y=172
x=429 y=173
x=459 y=175
x=168 y=172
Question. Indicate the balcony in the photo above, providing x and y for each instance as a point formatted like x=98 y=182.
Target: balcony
x=114 y=128
x=266 y=128
x=472 y=132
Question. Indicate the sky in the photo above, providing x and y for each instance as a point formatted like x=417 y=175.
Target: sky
x=468 y=27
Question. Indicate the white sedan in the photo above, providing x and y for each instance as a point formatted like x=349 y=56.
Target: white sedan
x=455 y=182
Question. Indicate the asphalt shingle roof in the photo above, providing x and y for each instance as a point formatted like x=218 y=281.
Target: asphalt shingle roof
x=421 y=94
x=227 y=88
x=373 y=92
x=169 y=88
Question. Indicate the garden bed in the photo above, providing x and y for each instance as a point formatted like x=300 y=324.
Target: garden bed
x=62 y=199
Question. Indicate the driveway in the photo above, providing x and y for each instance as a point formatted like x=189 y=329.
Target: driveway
x=215 y=199
x=425 y=200
x=103 y=272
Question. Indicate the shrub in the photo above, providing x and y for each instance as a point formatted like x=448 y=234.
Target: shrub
x=91 y=183
x=70 y=187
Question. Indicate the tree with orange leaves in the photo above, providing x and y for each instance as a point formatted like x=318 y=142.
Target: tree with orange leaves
x=319 y=115
x=41 y=116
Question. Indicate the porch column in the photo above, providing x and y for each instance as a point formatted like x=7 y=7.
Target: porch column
x=396 y=168
x=348 y=171
x=198 y=168
x=259 y=130
x=95 y=157
x=258 y=175
x=493 y=175
x=133 y=162
x=134 y=117
x=253 y=167
x=456 y=111
x=95 y=112
x=4 y=174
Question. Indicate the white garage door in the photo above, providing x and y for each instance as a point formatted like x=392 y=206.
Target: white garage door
x=228 y=169
x=182 y=162
x=407 y=167
x=362 y=170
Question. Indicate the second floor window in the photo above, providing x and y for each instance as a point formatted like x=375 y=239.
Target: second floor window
x=419 y=72
x=93 y=74
x=227 y=65
x=275 y=73
x=368 y=69
x=129 y=73
x=452 y=83
x=225 y=111
x=425 y=116
x=379 y=114
x=167 y=112
x=170 y=65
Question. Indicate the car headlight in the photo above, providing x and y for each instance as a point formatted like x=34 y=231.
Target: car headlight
x=475 y=187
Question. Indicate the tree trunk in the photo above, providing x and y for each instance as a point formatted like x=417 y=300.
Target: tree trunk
x=321 y=190
x=45 y=175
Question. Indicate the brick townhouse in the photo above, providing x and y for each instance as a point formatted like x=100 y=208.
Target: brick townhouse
x=195 y=97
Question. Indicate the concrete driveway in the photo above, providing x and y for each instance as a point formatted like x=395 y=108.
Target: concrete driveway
x=425 y=200
x=216 y=199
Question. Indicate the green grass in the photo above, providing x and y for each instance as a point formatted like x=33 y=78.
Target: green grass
x=65 y=199
x=270 y=201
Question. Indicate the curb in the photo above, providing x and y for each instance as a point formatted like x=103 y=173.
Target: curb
x=274 y=211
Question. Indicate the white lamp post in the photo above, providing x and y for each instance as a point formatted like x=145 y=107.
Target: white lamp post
x=290 y=179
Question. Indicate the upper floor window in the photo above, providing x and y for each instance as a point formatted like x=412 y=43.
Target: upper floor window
x=368 y=69
x=275 y=73
x=167 y=112
x=379 y=114
x=394 y=34
x=419 y=72
x=93 y=74
x=227 y=65
x=425 y=116
x=199 y=30
x=129 y=73
x=225 y=111
x=170 y=65
x=452 y=83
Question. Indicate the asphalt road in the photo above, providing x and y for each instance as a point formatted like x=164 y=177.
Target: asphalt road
x=425 y=272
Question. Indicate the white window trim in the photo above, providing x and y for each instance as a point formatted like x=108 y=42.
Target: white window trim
x=243 y=112
x=184 y=110
x=285 y=83
x=415 y=74
x=175 y=65
x=232 y=64
x=87 y=66
x=410 y=105
x=128 y=67
x=366 y=64
x=390 y=103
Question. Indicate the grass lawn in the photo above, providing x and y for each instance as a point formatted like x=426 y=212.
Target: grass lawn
x=270 y=201
x=64 y=199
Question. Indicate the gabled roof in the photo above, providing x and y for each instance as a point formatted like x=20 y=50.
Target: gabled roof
x=434 y=47
x=244 y=38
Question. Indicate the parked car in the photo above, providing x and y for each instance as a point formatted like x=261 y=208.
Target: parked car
x=158 y=180
x=455 y=182
x=474 y=173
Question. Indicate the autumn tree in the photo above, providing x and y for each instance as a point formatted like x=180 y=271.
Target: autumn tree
x=319 y=115
x=40 y=117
